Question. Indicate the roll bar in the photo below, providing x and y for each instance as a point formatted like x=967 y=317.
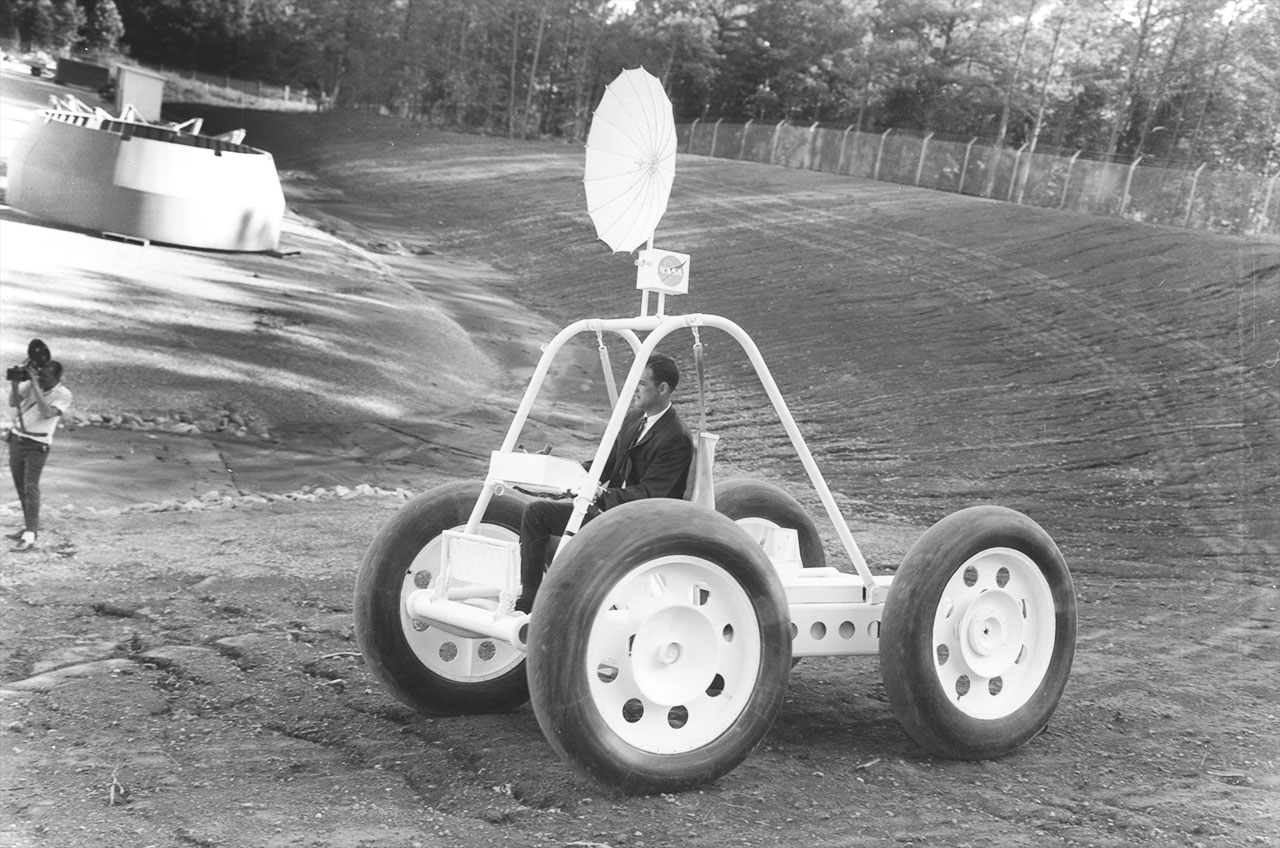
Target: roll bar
x=658 y=327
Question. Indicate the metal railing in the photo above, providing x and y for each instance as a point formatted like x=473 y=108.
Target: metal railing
x=1218 y=200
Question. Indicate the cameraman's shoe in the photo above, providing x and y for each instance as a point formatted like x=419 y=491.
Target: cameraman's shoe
x=26 y=543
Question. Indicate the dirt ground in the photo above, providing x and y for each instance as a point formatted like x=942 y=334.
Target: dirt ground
x=177 y=661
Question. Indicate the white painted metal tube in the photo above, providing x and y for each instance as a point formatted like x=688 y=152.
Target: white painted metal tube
x=624 y=327
x=658 y=328
x=467 y=620
x=657 y=333
x=797 y=440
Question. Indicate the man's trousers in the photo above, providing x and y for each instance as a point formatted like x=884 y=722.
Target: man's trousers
x=26 y=462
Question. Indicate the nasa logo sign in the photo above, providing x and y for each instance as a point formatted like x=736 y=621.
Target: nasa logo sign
x=671 y=270
x=663 y=271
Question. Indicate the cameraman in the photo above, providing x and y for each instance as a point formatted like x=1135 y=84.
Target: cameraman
x=38 y=402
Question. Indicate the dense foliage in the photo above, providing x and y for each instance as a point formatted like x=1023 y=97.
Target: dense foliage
x=1190 y=80
x=92 y=28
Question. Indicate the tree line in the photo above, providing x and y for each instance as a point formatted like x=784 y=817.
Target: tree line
x=63 y=26
x=1176 y=80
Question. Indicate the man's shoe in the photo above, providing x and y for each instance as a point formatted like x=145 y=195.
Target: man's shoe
x=16 y=536
x=27 y=542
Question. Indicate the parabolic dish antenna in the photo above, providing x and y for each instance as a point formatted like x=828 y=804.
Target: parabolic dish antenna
x=631 y=160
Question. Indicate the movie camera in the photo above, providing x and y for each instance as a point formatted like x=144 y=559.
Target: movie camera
x=37 y=354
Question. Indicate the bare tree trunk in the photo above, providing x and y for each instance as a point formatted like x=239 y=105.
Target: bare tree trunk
x=566 y=73
x=1010 y=89
x=515 y=62
x=584 y=76
x=1044 y=96
x=1163 y=84
x=1131 y=80
x=1007 y=105
x=533 y=68
x=1194 y=145
x=865 y=101
x=336 y=88
x=407 y=94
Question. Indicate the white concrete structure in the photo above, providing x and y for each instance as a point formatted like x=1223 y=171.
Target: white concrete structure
x=146 y=181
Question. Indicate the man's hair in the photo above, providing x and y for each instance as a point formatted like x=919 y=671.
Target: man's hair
x=665 y=370
x=54 y=367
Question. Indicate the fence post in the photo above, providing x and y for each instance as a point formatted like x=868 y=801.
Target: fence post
x=1191 y=195
x=1266 y=202
x=1062 y=203
x=742 y=146
x=693 y=128
x=1025 y=177
x=715 y=134
x=813 y=139
x=773 y=149
x=1013 y=178
x=844 y=141
x=924 y=145
x=964 y=169
x=1128 y=181
x=875 y=172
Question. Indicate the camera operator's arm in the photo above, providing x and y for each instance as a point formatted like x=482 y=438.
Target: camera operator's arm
x=46 y=410
x=15 y=400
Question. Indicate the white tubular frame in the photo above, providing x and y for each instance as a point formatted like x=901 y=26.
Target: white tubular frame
x=659 y=327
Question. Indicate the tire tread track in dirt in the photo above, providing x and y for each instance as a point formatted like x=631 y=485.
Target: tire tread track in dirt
x=1016 y=295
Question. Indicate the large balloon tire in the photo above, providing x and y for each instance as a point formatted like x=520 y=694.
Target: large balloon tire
x=435 y=672
x=750 y=502
x=978 y=634
x=659 y=647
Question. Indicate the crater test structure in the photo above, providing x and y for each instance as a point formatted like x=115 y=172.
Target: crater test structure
x=126 y=177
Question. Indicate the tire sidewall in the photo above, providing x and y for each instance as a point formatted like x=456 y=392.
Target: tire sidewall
x=907 y=649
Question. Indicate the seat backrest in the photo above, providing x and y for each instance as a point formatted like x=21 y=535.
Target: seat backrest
x=702 y=485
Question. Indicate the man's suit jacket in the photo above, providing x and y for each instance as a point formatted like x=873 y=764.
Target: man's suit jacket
x=655 y=467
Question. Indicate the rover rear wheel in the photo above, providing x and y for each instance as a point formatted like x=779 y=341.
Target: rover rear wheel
x=432 y=670
x=757 y=505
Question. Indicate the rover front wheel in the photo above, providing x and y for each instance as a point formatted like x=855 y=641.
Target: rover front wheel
x=660 y=647
x=978 y=634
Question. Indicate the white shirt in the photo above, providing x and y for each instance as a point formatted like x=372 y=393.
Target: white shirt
x=649 y=421
x=32 y=425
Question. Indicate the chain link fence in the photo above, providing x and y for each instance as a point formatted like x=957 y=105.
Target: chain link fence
x=1221 y=201
x=253 y=88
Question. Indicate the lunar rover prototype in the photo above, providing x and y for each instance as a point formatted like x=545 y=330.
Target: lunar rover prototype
x=657 y=654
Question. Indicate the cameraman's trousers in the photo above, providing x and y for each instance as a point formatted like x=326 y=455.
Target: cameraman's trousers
x=26 y=462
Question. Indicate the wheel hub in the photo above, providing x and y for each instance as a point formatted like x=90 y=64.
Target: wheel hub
x=674 y=655
x=991 y=634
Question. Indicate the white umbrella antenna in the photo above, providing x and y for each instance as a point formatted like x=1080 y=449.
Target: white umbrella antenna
x=631 y=160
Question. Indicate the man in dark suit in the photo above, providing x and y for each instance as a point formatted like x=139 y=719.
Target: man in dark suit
x=650 y=459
